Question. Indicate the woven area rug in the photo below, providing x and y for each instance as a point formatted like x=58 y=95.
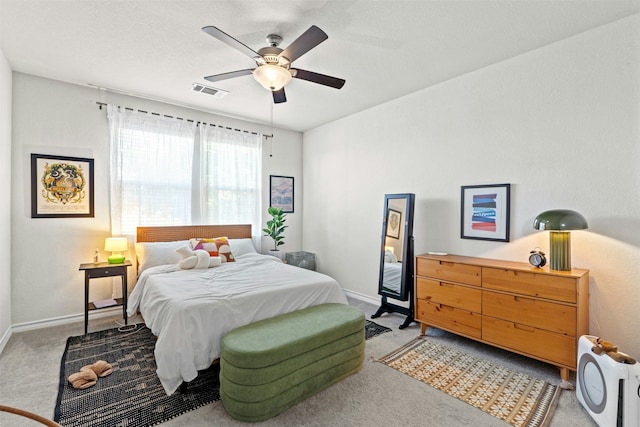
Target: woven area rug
x=514 y=397
x=372 y=329
x=132 y=395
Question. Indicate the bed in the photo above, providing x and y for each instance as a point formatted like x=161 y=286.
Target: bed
x=190 y=310
x=392 y=277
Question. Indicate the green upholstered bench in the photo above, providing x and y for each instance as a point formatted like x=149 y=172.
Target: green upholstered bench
x=268 y=366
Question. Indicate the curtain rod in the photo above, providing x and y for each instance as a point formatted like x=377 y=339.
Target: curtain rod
x=101 y=104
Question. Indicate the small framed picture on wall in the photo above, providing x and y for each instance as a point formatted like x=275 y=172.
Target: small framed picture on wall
x=281 y=192
x=484 y=212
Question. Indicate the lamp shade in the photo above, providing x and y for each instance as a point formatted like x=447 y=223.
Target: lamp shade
x=116 y=244
x=272 y=77
x=560 y=220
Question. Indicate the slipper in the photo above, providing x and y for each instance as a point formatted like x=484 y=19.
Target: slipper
x=83 y=379
x=100 y=368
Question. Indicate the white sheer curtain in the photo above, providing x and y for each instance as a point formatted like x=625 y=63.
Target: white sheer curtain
x=151 y=170
x=164 y=172
x=231 y=184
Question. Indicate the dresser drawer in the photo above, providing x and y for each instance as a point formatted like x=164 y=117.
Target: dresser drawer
x=530 y=283
x=446 y=317
x=545 y=345
x=448 y=271
x=463 y=297
x=545 y=315
x=106 y=272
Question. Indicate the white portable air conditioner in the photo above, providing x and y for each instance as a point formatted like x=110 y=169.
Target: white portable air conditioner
x=608 y=385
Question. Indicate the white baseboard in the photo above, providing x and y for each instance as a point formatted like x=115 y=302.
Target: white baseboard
x=5 y=339
x=56 y=321
x=63 y=320
x=362 y=297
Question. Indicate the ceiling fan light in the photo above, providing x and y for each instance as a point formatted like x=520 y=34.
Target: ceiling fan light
x=272 y=77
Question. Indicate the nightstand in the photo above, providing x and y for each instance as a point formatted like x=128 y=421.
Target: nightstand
x=104 y=269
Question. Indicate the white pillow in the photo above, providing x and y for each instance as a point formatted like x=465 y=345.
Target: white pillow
x=390 y=257
x=241 y=247
x=150 y=254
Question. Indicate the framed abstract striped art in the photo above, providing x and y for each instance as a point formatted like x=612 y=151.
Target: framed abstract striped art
x=484 y=212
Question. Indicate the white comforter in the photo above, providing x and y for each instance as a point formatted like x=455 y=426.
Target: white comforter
x=392 y=276
x=191 y=310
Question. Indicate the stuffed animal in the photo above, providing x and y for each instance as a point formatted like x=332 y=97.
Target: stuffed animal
x=601 y=346
x=196 y=259
x=604 y=347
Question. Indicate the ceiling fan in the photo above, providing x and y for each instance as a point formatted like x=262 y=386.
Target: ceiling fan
x=273 y=70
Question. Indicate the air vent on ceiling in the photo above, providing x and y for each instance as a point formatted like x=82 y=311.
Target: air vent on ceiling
x=216 y=93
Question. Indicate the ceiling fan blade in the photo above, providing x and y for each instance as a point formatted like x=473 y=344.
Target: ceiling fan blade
x=318 y=78
x=227 y=39
x=279 y=96
x=303 y=44
x=229 y=75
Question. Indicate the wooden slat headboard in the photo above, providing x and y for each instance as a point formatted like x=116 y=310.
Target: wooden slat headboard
x=185 y=232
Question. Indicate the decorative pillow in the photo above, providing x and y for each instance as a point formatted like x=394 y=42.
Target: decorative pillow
x=218 y=246
x=241 y=247
x=151 y=254
x=390 y=257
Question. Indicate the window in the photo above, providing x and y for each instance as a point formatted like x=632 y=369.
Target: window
x=167 y=171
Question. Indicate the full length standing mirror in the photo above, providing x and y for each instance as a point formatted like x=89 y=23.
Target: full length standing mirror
x=396 y=255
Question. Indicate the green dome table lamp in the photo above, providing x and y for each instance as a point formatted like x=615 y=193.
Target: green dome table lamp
x=560 y=222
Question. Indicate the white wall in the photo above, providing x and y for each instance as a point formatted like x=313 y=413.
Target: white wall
x=51 y=117
x=561 y=124
x=5 y=209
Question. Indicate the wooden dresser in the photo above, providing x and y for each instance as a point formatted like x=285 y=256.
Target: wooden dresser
x=536 y=312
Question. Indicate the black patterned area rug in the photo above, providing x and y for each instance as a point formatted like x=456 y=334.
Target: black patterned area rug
x=132 y=394
x=372 y=329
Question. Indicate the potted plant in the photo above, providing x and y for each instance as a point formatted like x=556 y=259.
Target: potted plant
x=275 y=229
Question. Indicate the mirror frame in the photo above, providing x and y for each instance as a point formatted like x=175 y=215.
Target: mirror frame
x=406 y=277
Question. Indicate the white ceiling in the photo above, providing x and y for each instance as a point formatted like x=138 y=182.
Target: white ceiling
x=384 y=49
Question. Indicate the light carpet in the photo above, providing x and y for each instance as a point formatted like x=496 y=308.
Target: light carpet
x=514 y=397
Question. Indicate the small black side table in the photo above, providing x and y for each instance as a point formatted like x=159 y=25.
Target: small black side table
x=104 y=269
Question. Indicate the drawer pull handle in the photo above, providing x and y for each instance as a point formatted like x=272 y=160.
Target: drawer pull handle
x=527 y=300
x=445 y=263
x=524 y=328
x=522 y=273
x=106 y=272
